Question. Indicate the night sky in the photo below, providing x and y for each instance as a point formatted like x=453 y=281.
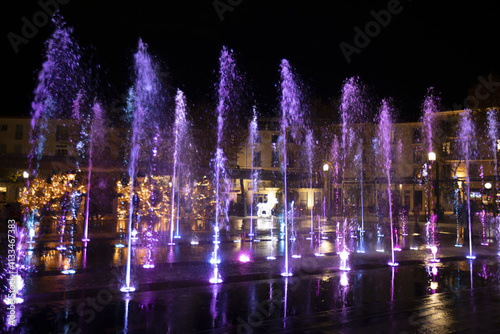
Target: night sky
x=426 y=43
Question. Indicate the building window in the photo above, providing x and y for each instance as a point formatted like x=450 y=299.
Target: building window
x=417 y=154
x=3 y=194
x=257 y=161
x=417 y=135
x=62 y=133
x=61 y=150
x=275 y=159
x=3 y=127
x=19 y=131
x=18 y=149
x=274 y=139
x=3 y=148
x=498 y=145
x=393 y=136
x=446 y=148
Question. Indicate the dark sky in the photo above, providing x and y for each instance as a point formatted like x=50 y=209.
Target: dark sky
x=443 y=44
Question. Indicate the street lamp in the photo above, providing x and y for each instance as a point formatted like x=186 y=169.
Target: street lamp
x=26 y=174
x=432 y=156
x=326 y=168
x=487 y=185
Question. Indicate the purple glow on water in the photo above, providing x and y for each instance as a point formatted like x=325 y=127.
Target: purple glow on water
x=384 y=136
x=244 y=258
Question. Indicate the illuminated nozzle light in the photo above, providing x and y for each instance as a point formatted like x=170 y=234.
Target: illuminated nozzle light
x=344 y=281
x=61 y=247
x=271 y=257
x=434 y=251
x=471 y=257
x=215 y=279
x=237 y=241
x=397 y=249
x=344 y=256
x=393 y=264
x=244 y=258
x=434 y=271
x=194 y=242
x=318 y=254
x=119 y=245
x=296 y=256
x=127 y=289
x=286 y=274
x=148 y=265
x=68 y=271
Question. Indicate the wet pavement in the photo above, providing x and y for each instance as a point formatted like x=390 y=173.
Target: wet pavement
x=418 y=296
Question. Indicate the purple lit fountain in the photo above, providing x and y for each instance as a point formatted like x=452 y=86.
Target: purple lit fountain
x=96 y=137
x=146 y=91
x=180 y=127
x=290 y=119
x=466 y=133
x=227 y=73
x=252 y=139
x=385 y=129
x=59 y=84
x=430 y=107
x=494 y=144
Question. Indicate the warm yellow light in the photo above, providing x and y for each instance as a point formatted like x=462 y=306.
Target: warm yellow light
x=487 y=185
x=434 y=285
x=432 y=156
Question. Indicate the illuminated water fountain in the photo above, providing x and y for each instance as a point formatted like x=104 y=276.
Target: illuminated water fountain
x=384 y=138
x=146 y=91
x=252 y=140
x=227 y=74
x=466 y=133
x=290 y=119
